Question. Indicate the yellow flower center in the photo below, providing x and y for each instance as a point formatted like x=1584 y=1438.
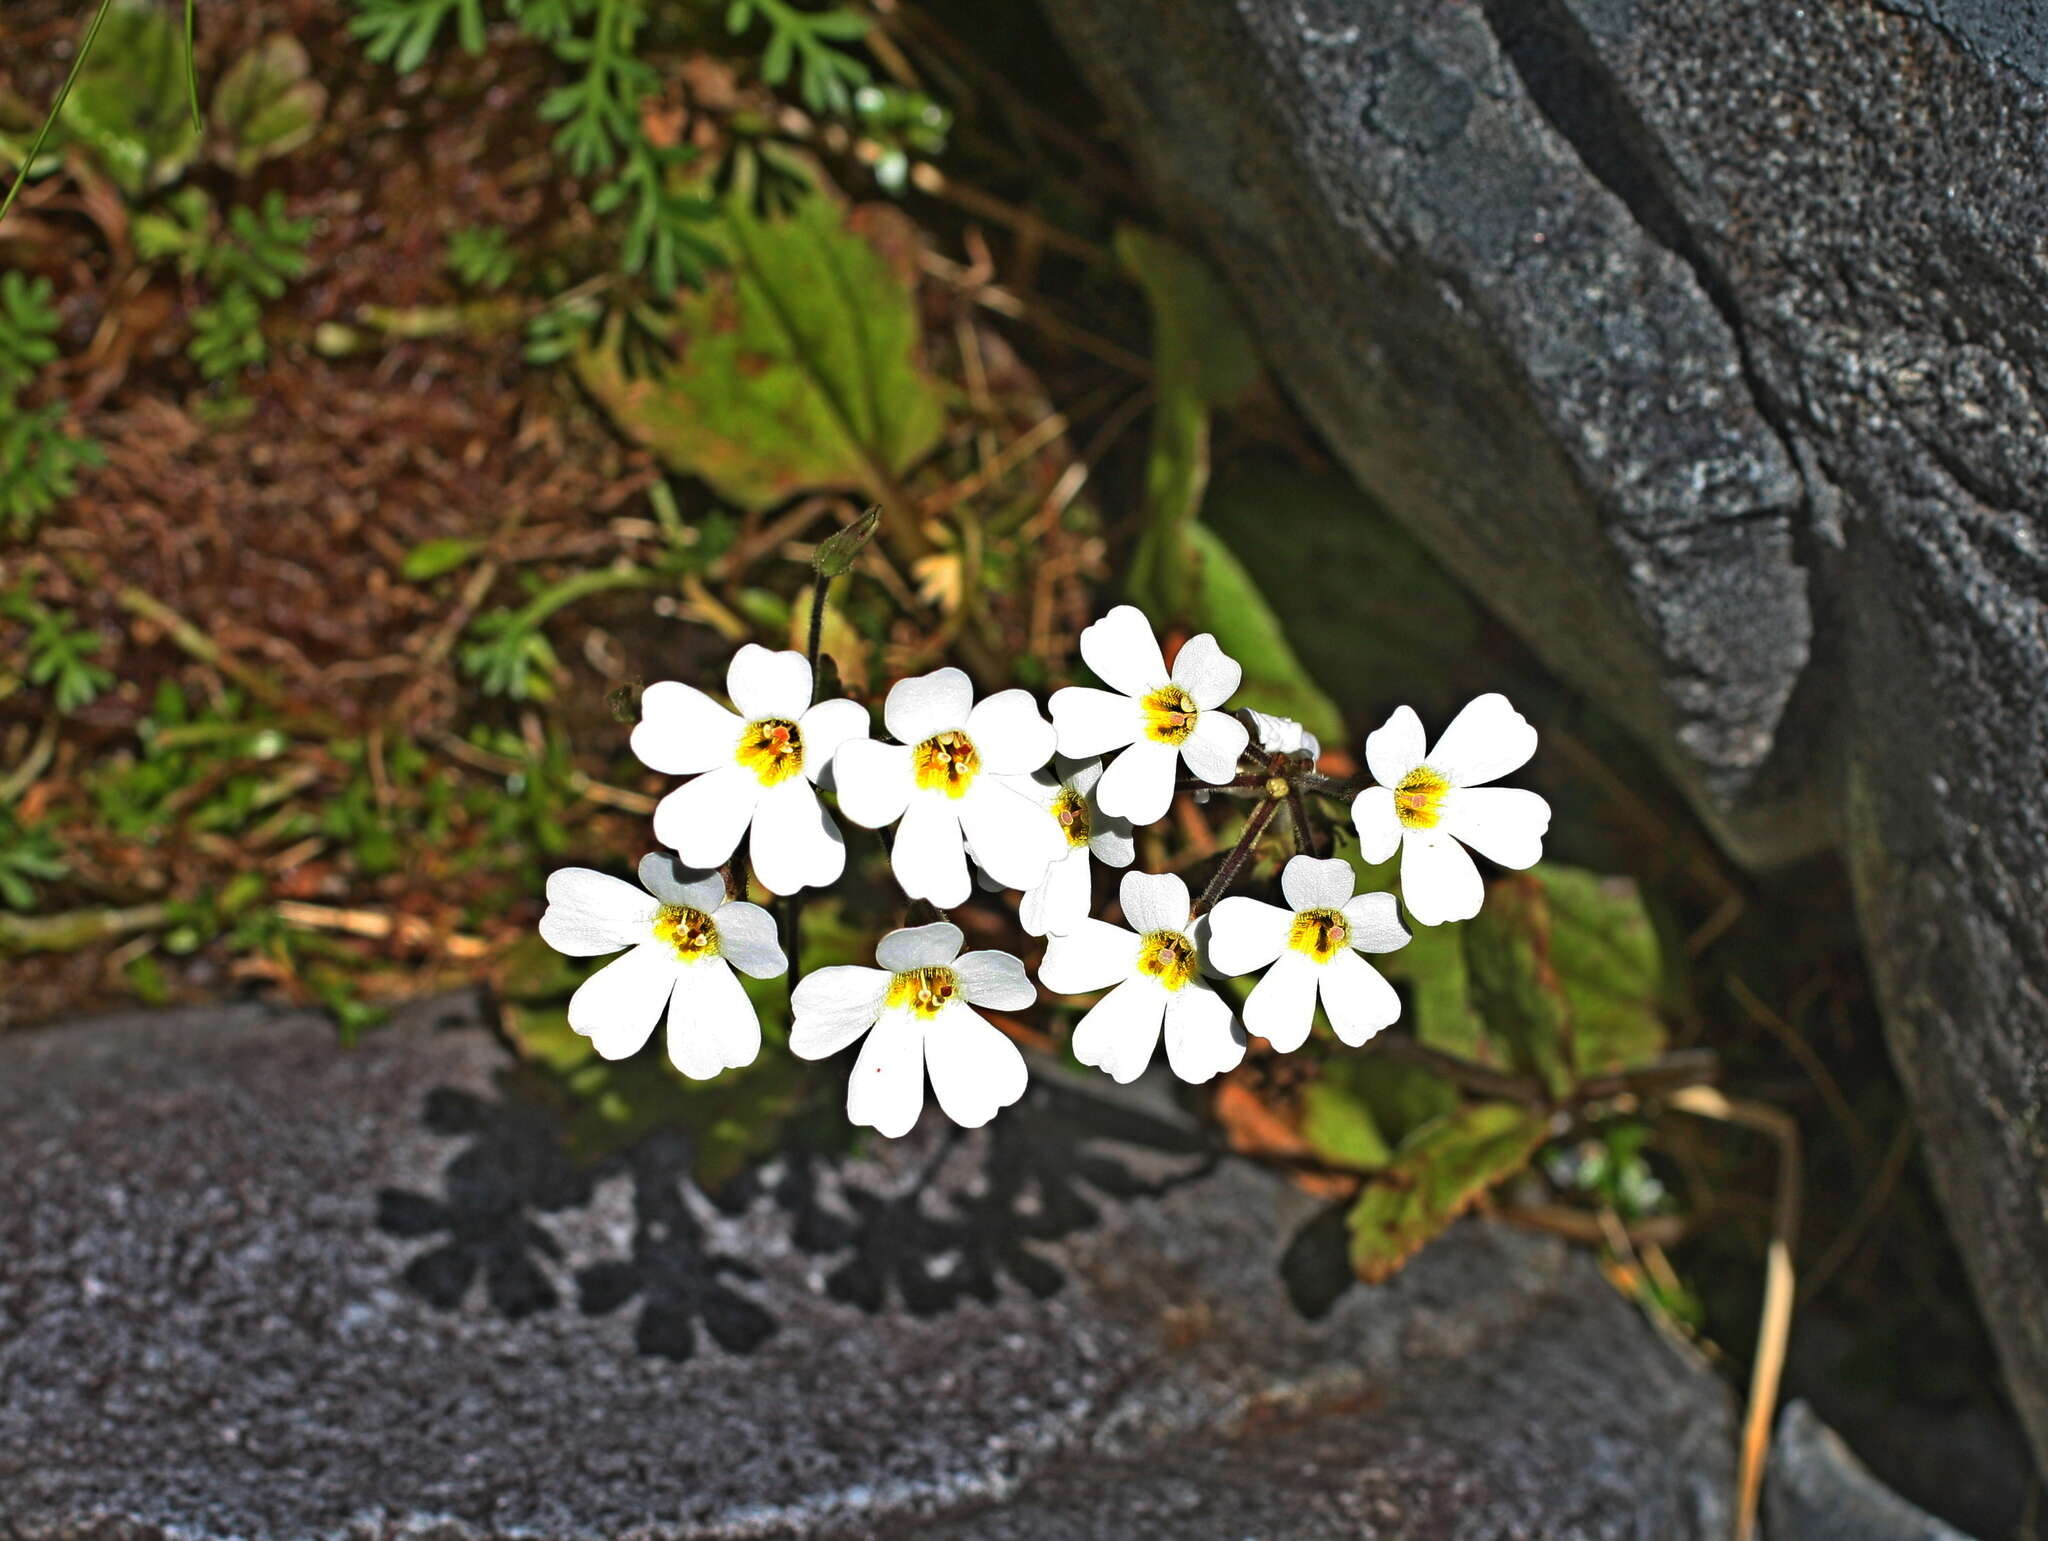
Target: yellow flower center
x=1322 y=934
x=926 y=991
x=1170 y=714
x=946 y=762
x=773 y=749
x=1071 y=809
x=1168 y=957
x=1418 y=800
x=691 y=933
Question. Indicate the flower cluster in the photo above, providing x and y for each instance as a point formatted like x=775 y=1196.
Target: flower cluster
x=993 y=787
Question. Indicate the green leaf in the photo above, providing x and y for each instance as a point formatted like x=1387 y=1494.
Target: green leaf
x=1181 y=571
x=1605 y=952
x=266 y=105
x=1437 y=1173
x=432 y=558
x=1515 y=983
x=794 y=370
x=129 y=105
x=1432 y=965
x=1337 y=1122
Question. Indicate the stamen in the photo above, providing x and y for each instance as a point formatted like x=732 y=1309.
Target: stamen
x=947 y=762
x=1322 y=934
x=691 y=933
x=1418 y=800
x=925 y=991
x=1168 y=957
x=1071 y=809
x=1170 y=715
x=773 y=749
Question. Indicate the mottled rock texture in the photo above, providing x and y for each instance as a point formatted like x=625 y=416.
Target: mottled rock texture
x=255 y=1285
x=1707 y=343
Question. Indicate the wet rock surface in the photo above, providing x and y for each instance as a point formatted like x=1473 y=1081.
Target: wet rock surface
x=253 y=1284
x=1706 y=344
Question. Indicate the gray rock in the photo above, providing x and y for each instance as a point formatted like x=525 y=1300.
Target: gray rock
x=1819 y=1492
x=248 y=1290
x=1706 y=343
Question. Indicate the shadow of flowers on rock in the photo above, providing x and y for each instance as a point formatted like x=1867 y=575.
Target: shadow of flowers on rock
x=972 y=1210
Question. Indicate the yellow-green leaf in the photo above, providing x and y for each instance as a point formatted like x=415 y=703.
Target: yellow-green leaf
x=1438 y=1172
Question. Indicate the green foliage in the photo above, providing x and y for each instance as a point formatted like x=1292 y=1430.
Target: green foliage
x=599 y=110
x=28 y=856
x=131 y=103
x=796 y=370
x=1203 y=361
x=265 y=105
x=903 y=123
x=58 y=652
x=1435 y=1175
x=401 y=33
x=39 y=459
x=508 y=654
x=227 y=335
x=809 y=42
x=667 y=226
x=481 y=257
x=265 y=249
x=431 y=559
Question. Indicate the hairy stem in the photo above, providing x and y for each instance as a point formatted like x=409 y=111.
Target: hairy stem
x=1254 y=826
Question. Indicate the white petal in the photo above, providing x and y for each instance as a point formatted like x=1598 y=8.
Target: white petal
x=1206 y=672
x=1139 y=782
x=873 y=781
x=930 y=854
x=1154 y=901
x=824 y=728
x=765 y=684
x=1081 y=775
x=1378 y=825
x=1282 y=735
x=1061 y=901
x=1011 y=733
x=919 y=946
x=702 y=820
x=995 y=979
x=1111 y=844
x=1282 y=1006
x=683 y=731
x=1310 y=884
x=1438 y=879
x=590 y=913
x=834 y=1006
x=746 y=940
x=616 y=1008
x=673 y=883
x=1122 y=651
x=796 y=844
x=1503 y=824
x=1375 y=921
x=1121 y=1030
x=1356 y=998
x=1009 y=833
x=928 y=703
x=1246 y=934
x=1487 y=739
x=1213 y=749
x=886 y=1092
x=975 y=1069
x=1394 y=749
x=1202 y=1037
x=1092 y=956
x=1092 y=722
x=712 y=1026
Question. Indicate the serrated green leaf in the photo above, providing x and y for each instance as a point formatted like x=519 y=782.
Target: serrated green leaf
x=266 y=105
x=432 y=558
x=794 y=370
x=129 y=104
x=1437 y=1173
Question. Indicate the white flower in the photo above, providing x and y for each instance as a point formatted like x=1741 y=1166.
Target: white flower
x=1426 y=804
x=917 y=1010
x=1313 y=947
x=1164 y=718
x=1155 y=966
x=1063 y=899
x=760 y=768
x=1283 y=735
x=686 y=939
x=959 y=778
